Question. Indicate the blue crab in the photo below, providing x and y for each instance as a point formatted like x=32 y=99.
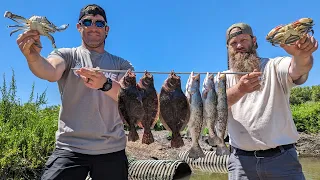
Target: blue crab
x=39 y=23
x=290 y=33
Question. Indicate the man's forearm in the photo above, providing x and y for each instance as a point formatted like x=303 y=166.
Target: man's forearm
x=113 y=92
x=43 y=69
x=300 y=66
x=234 y=95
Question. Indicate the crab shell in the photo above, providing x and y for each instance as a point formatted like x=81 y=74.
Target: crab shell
x=42 y=25
x=39 y=23
x=290 y=33
x=273 y=32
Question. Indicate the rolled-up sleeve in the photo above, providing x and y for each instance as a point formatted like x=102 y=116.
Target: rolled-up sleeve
x=282 y=65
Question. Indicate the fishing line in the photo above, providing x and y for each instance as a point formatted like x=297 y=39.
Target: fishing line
x=160 y=72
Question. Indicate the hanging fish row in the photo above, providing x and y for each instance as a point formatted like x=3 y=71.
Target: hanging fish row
x=139 y=104
x=97 y=69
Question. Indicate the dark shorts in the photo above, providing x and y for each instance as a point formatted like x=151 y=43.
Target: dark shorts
x=67 y=165
x=282 y=165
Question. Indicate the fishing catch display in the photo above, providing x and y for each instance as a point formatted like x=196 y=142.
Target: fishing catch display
x=140 y=105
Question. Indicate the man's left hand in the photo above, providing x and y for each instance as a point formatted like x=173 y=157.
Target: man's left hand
x=302 y=48
x=92 y=79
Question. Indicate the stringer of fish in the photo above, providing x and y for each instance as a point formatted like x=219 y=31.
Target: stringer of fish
x=196 y=115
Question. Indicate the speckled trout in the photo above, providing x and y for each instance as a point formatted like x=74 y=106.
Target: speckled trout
x=196 y=115
x=210 y=113
x=222 y=118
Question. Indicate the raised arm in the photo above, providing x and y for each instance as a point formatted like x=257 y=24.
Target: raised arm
x=302 y=59
x=49 y=69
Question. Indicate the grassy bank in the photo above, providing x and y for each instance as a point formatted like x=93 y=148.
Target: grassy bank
x=27 y=130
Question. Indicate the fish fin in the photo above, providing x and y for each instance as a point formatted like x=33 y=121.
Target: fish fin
x=139 y=123
x=176 y=140
x=147 y=137
x=196 y=152
x=189 y=98
x=187 y=116
x=133 y=134
x=205 y=94
x=222 y=150
x=156 y=119
x=163 y=122
x=188 y=85
x=213 y=141
x=122 y=113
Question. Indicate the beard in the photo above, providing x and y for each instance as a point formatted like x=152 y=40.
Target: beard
x=93 y=43
x=244 y=61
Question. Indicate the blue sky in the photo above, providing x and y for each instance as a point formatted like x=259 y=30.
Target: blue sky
x=180 y=35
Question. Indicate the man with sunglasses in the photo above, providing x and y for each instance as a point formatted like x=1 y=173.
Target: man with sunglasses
x=90 y=136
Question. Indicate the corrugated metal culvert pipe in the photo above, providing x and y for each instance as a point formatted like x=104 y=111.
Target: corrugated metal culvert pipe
x=158 y=169
x=210 y=163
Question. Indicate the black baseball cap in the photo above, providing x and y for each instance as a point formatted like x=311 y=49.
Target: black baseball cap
x=93 y=9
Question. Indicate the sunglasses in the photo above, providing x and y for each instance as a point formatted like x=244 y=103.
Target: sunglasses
x=98 y=23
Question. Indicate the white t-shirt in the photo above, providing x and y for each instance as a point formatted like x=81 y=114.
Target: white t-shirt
x=262 y=119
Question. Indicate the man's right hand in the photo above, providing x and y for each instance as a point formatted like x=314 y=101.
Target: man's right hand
x=26 y=42
x=250 y=82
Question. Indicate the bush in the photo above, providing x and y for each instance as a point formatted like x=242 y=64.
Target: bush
x=305 y=94
x=305 y=107
x=307 y=117
x=316 y=93
x=27 y=133
x=300 y=95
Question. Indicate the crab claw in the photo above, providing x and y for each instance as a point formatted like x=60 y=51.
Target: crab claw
x=14 y=17
x=7 y=14
x=63 y=27
x=273 y=32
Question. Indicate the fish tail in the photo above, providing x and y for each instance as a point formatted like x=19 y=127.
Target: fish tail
x=213 y=140
x=222 y=150
x=221 y=130
x=196 y=152
x=147 y=137
x=133 y=135
x=176 y=140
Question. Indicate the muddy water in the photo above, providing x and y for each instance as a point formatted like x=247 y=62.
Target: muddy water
x=311 y=169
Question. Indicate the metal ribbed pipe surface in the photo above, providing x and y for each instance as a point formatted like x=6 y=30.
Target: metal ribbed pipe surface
x=158 y=169
x=210 y=163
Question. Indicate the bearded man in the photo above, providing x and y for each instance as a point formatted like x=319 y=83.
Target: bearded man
x=262 y=133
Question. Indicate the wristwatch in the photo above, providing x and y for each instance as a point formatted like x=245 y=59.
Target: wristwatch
x=107 y=85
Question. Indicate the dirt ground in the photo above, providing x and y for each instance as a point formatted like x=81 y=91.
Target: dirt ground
x=307 y=145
